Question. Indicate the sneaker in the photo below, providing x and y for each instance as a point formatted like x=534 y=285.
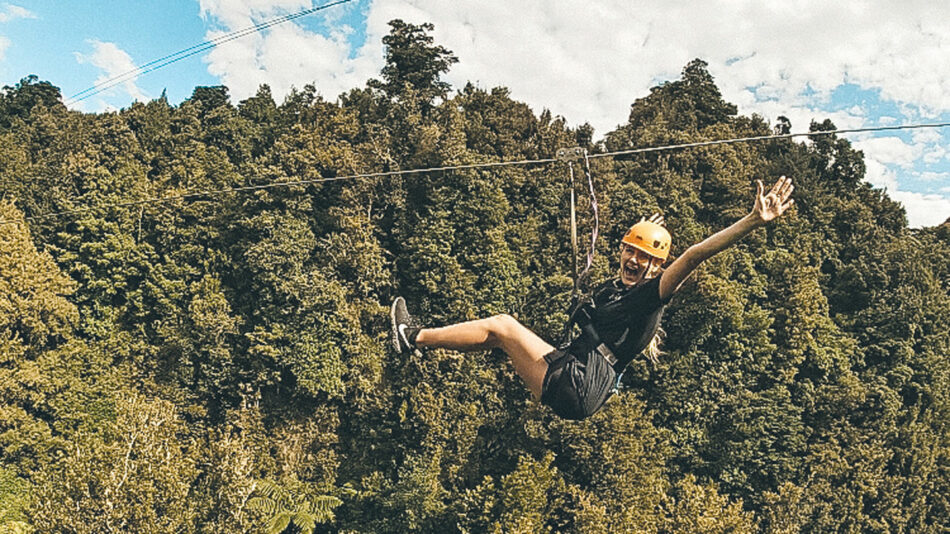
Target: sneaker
x=404 y=328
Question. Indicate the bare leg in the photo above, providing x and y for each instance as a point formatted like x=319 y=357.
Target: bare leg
x=523 y=346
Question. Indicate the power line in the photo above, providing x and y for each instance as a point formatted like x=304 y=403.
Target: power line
x=186 y=196
x=191 y=51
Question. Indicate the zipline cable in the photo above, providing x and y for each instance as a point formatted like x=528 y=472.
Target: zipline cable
x=185 y=196
x=769 y=137
x=191 y=51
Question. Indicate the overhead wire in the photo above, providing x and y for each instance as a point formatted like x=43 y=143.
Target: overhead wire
x=769 y=137
x=191 y=51
x=185 y=196
x=495 y=164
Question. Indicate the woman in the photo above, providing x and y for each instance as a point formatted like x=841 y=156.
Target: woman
x=617 y=323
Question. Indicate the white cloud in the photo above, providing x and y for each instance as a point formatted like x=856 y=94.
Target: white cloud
x=10 y=12
x=7 y=13
x=240 y=14
x=928 y=176
x=931 y=144
x=113 y=61
x=923 y=209
x=590 y=62
x=934 y=154
x=285 y=55
x=889 y=150
x=879 y=175
x=927 y=136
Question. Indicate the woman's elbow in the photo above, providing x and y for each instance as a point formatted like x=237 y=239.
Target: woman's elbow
x=693 y=256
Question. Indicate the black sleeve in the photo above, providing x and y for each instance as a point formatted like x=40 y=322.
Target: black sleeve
x=663 y=302
x=643 y=299
x=648 y=295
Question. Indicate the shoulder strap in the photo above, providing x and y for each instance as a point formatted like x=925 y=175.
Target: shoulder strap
x=581 y=313
x=577 y=303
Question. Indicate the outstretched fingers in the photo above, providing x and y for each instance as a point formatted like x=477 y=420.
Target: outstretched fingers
x=785 y=200
x=777 y=186
x=786 y=188
x=781 y=189
x=778 y=199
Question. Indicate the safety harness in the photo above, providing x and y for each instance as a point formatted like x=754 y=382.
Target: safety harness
x=581 y=314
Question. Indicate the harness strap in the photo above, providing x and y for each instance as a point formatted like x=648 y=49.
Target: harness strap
x=577 y=277
x=568 y=155
x=608 y=354
x=583 y=319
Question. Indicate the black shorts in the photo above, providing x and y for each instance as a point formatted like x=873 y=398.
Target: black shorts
x=576 y=386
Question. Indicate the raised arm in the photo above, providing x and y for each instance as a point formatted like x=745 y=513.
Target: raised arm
x=767 y=206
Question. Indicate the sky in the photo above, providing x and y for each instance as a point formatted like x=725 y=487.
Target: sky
x=858 y=63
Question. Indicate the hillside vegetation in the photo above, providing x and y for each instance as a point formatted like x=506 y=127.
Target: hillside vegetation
x=221 y=363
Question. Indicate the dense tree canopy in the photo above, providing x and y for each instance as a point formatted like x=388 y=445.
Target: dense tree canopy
x=220 y=363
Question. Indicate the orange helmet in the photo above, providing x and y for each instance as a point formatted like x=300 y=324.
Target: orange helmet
x=650 y=238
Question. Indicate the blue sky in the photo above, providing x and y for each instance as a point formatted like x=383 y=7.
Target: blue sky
x=806 y=60
x=47 y=45
x=144 y=30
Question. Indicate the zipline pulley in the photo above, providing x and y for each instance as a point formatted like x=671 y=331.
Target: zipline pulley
x=571 y=154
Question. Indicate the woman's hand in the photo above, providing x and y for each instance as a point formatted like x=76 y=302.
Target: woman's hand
x=775 y=202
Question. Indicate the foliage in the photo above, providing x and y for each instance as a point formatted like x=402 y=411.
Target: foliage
x=292 y=503
x=221 y=364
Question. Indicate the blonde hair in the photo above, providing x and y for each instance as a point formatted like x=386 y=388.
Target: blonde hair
x=653 y=350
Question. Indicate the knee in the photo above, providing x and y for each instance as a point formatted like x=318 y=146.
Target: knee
x=503 y=326
x=503 y=321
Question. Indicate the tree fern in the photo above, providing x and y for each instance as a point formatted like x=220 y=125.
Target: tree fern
x=292 y=502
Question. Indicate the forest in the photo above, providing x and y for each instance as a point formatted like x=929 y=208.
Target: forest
x=219 y=363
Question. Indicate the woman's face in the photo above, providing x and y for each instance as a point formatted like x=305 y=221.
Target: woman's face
x=637 y=266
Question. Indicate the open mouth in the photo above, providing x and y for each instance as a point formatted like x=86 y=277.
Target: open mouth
x=630 y=272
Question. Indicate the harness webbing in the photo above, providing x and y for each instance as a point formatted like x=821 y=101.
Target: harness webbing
x=568 y=155
x=593 y=205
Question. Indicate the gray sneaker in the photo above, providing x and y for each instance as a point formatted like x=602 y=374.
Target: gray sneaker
x=403 y=326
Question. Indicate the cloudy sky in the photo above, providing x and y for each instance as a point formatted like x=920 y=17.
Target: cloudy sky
x=859 y=63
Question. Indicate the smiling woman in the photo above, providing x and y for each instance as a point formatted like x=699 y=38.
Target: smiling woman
x=617 y=322
x=643 y=249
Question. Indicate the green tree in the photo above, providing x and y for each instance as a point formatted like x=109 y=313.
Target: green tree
x=17 y=102
x=135 y=475
x=412 y=60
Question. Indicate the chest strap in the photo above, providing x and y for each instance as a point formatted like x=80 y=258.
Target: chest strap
x=584 y=321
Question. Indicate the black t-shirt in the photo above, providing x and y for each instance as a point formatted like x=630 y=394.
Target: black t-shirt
x=625 y=318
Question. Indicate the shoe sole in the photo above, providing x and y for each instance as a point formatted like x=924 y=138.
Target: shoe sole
x=395 y=327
